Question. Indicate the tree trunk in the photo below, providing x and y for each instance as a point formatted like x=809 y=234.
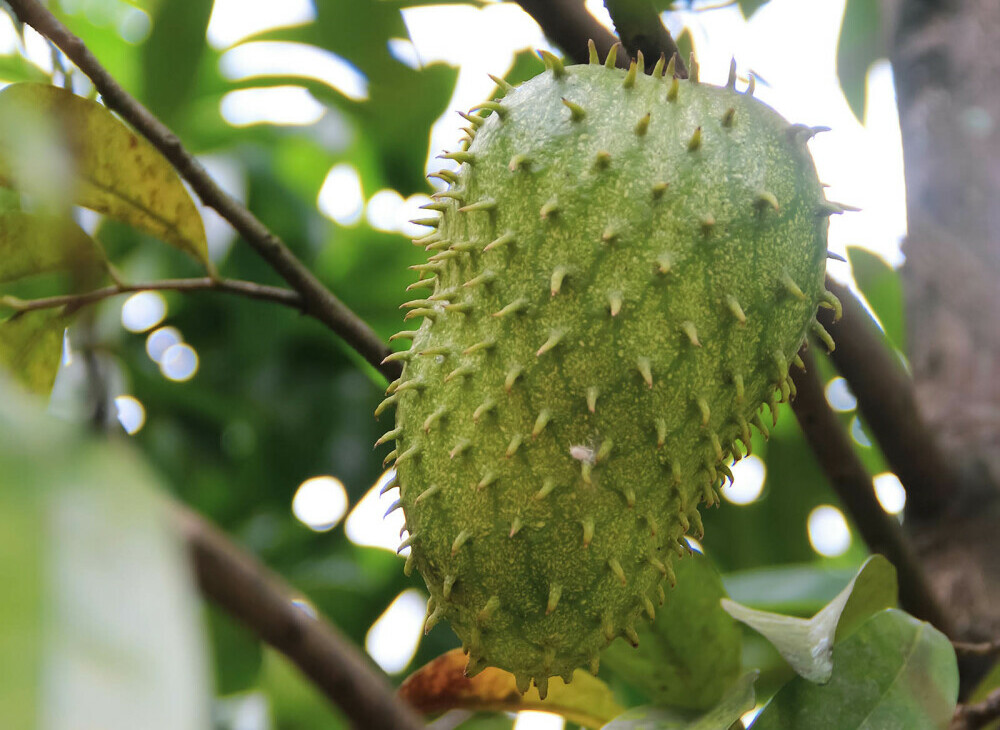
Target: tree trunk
x=946 y=61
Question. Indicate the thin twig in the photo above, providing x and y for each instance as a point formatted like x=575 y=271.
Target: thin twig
x=886 y=400
x=639 y=26
x=248 y=591
x=74 y=302
x=568 y=24
x=318 y=301
x=984 y=648
x=978 y=715
x=853 y=484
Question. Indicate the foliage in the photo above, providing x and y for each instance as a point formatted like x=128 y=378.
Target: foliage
x=95 y=590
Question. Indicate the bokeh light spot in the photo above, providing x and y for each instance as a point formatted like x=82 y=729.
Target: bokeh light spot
x=320 y=503
x=393 y=639
x=275 y=58
x=280 y=105
x=131 y=414
x=179 y=363
x=694 y=544
x=160 y=341
x=534 y=720
x=410 y=212
x=829 y=534
x=890 y=492
x=368 y=525
x=383 y=210
x=306 y=607
x=748 y=481
x=143 y=311
x=233 y=20
x=839 y=395
x=134 y=26
x=341 y=197
x=858 y=433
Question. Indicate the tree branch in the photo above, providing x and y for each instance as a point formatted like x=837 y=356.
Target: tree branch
x=886 y=400
x=640 y=28
x=853 y=485
x=317 y=300
x=985 y=648
x=249 y=592
x=570 y=26
x=249 y=289
x=973 y=717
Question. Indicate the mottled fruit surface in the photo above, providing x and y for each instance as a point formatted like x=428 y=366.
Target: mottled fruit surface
x=622 y=271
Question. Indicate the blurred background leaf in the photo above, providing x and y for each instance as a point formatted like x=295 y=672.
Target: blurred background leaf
x=109 y=630
x=861 y=44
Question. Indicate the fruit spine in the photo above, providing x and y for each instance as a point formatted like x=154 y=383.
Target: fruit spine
x=621 y=273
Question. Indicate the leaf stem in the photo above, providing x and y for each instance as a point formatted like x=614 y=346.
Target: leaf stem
x=250 y=289
x=317 y=300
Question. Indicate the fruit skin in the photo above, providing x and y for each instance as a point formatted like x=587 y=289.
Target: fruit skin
x=623 y=268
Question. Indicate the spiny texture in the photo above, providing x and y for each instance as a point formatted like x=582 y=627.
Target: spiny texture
x=623 y=269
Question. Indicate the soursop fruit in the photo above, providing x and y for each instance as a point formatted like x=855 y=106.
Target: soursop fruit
x=622 y=270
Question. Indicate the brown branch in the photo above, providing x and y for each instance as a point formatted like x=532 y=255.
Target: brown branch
x=985 y=648
x=640 y=28
x=249 y=592
x=886 y=400
x=568 y=24
x=317 y=300
x=973 y=717
x=74 y=302
x=853 y=484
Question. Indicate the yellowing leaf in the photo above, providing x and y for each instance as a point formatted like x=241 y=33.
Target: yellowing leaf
x=34 y=244
x=114 y=171
x=442 y=685
x=30 y=348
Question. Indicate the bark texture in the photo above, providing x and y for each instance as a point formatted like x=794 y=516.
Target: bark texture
x=946 y=60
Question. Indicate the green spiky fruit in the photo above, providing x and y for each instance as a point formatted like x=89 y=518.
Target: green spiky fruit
x=623 y=269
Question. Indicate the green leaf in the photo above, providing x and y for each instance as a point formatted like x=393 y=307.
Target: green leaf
x=110 y=633
x=15 y=68
x=296 y=703
x=893 y=672
x=738 y=700
x=690 y=653
x=685 y=44
x=171 y=56
x=807 y=644
x=883 y=289
x=237 y=653
x=403 y=102
x=114 y=171
x=860 y=45
x=34 y=244
x=749 y=7
x=30 y=347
